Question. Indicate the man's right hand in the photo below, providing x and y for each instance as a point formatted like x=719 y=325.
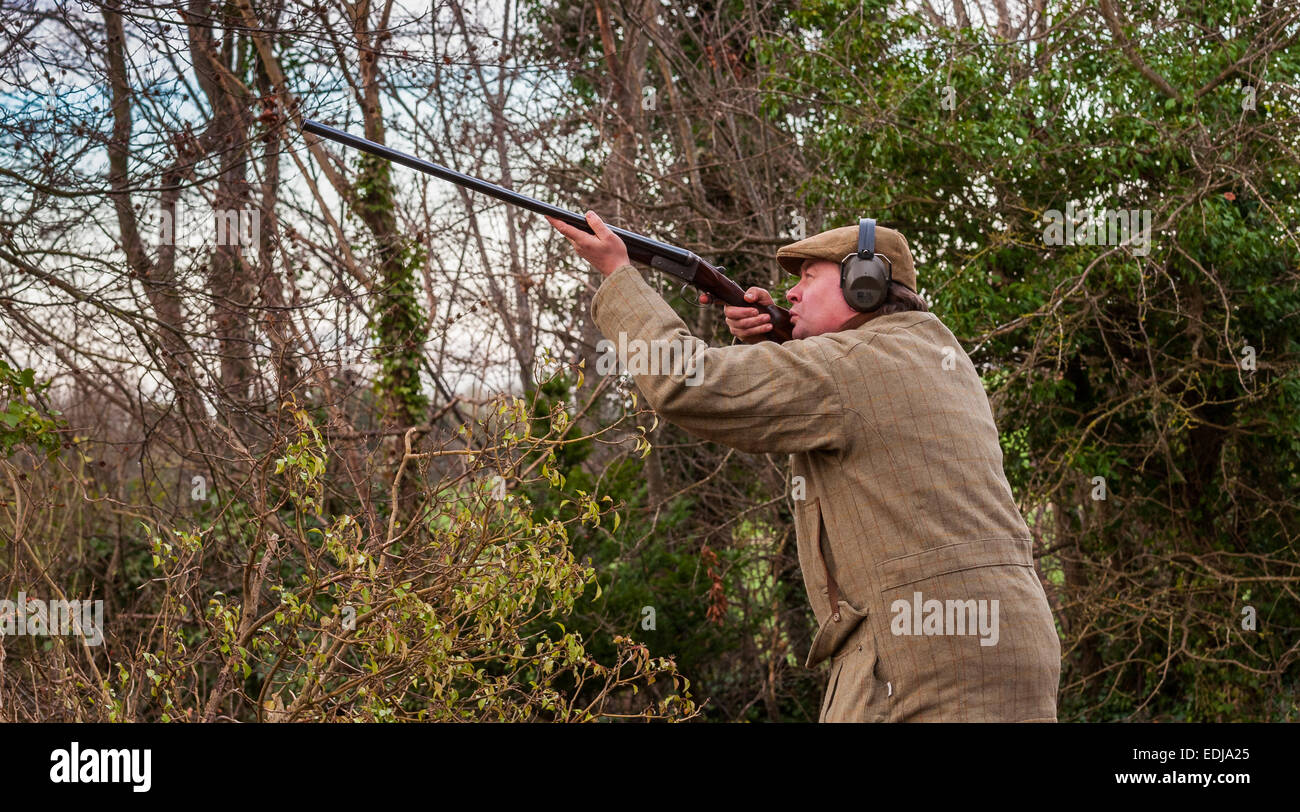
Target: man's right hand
x=747 y=323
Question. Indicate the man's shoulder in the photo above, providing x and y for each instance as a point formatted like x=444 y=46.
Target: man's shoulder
x=901 y=321
x=908 y=321
x=916 y=326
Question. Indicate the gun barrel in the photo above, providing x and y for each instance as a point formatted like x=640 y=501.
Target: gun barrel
x=639 y=247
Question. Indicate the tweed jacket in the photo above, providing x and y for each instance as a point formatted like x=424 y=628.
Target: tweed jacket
x=905 y=509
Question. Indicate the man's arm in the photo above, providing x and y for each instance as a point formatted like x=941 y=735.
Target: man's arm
x=757 y=398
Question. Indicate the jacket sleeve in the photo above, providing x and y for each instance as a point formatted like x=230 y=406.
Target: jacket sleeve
x=765 y=397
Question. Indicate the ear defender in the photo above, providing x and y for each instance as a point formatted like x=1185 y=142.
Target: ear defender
x=865 y=276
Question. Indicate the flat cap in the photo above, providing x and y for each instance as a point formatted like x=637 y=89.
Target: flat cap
x=838 y=243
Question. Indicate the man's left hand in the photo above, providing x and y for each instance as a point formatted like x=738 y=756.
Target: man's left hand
x=604 y=249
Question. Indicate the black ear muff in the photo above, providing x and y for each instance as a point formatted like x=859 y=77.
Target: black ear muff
x=865 y=275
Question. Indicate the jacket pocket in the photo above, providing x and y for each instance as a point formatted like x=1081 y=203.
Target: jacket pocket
x=833 y=633
x=966 y=555
x=860 y=694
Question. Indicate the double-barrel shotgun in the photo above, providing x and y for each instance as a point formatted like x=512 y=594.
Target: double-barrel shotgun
x=660 y=256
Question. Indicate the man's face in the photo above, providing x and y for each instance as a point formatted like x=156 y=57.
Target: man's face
x=816 y=303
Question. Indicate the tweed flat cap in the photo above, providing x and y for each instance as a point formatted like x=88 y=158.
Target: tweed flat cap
x=838 y=243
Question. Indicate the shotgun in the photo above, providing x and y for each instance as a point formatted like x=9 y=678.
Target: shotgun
x=662 y=257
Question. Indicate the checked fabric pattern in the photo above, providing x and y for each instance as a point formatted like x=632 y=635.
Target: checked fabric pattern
x=890 y=428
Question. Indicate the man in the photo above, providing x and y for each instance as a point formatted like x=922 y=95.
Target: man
x=916 y=561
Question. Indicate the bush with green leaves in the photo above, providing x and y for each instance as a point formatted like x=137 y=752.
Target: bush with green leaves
x=462 y=614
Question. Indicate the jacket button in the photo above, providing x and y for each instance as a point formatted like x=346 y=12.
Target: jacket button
x=836 y=617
